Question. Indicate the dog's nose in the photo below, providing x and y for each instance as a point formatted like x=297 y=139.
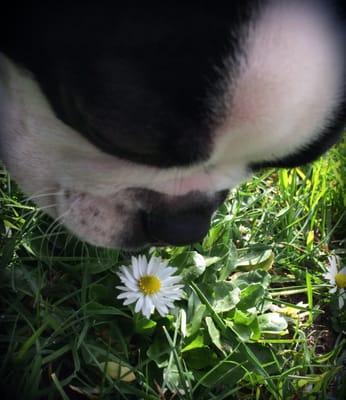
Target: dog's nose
x=178 y=229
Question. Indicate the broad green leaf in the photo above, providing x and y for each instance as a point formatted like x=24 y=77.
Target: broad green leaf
x=213 y=235
x=256 y=260
x=250 y=296
x=272 y=323
x=197 y=267
x=7 y=252
x=214 y=333
x=225 y=297
x=173 y=377
x=159 y=351
x=242 y=331
x=200 y=358
x=198 y=260
x=194 y=343
x=144 y=326
x=226 y=373
x=103 y=293
x=243 y=279
x=243 y=318
x=229 y=264
x=196 y=321
x=211 y=261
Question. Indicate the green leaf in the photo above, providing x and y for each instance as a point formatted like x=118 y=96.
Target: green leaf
x=246 y=278
x=194 y=343
x=103 y=293
x=242 y=331
x=144 y=326
x=159 y=351
x=256 y=260
x=244 y=318
x=213 y=235
x=7 y=253
x=200 y=358
x=250 y=296
x=196 y=269
x=230 y=262
x=245 y=332
x=196 y=321
x=226 y=296
x=209 y=261
x=175 y=379
x=272 y=323
x=226 y=373
x=214 y=333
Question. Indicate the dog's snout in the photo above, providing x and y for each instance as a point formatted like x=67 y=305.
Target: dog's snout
x=178 y=229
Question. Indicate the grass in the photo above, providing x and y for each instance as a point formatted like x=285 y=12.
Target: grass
x=257 y=320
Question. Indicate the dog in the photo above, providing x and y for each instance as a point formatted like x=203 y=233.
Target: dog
x=129 y=123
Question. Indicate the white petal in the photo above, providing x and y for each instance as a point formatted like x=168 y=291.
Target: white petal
x=134 y=260
x=175 y=288
x=333 y=269
x=130 y=285
x=343 y=271
x=165 y=302
x=135 y=269
x=148 y=306
x=128 y=294
x=341 y=302
x=327 y=275
x=162 y=309
x=165 y=273
x=171 y=293
x=128 y=275
x=333 y=290
x=125 y=295
x=153 y=265
x=130 y=300
x=139 y=304
x=171 y=280
x=142 y=266
x=122 y=288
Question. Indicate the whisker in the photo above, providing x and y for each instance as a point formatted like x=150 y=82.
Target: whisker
x=37 y=211
x=40 y=194
x=54 y=224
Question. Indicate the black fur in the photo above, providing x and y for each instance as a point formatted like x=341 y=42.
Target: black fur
x=131 y=77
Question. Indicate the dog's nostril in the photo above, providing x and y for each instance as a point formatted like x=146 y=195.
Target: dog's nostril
x=177 y=229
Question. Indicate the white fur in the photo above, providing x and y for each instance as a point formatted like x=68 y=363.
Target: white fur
x=288 y=86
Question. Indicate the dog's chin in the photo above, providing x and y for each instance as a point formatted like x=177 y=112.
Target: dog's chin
x=110 y=222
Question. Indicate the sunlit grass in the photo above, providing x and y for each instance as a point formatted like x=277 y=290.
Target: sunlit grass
x=263 y=258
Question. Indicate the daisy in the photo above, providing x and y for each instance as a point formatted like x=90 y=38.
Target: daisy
x=337 y=279
x=150 y=284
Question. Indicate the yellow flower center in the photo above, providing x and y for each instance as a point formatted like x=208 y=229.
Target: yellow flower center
x=340 y=280
x=149 y=284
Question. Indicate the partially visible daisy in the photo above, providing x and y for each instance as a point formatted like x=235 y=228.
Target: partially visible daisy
x=150 y=284
x=337 y=279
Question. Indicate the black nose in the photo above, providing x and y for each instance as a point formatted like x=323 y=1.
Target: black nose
x=178 y=229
